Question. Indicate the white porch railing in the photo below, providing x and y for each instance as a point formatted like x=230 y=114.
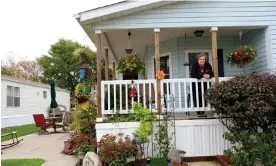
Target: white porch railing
x=180 y=95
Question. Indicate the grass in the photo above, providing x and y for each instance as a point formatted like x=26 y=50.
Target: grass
x=21 y=131
x=22 y=162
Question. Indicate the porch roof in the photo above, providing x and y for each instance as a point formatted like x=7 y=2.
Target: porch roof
x=119 y=9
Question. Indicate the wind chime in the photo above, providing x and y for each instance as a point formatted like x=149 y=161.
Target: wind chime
x=185 y=46
x=185 y=49
x=240 y=41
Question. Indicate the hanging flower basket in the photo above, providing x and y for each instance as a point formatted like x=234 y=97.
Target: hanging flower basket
x=242 y=56
x=131 y=63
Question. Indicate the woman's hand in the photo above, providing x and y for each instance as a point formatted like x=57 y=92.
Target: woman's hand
x=206 y=76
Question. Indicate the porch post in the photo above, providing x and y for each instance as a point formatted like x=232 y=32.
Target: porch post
x=157 y=68
x=99 y=66
x=106 y=62
x=113 y=71
x=214 y=53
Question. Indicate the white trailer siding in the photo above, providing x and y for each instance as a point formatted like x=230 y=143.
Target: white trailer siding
x=31 y=101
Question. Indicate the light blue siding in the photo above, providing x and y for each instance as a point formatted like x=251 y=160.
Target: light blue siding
x=176 y=46
x=166 y=46
x=256 y=38
x=190 y=14
x=207 y=14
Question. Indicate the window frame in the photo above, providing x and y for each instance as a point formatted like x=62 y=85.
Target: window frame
x=13 y=95
x=45 y=94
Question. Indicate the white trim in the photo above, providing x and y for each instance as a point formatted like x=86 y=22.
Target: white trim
x=120 y=9
x=98 y=31
x=187 y=68
x=156 y=30
x=268 y=48
x=27 y=82
x=214 y=29
x=170 y=62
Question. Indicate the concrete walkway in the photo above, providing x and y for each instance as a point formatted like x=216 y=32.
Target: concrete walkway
x=47 y=147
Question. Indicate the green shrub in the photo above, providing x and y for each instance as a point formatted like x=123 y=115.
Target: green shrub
x=250 y=104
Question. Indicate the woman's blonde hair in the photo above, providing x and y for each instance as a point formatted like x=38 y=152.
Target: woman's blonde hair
x=202 y=55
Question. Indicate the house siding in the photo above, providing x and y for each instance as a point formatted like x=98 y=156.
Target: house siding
x=204 y=14
x=176 y=47
x=165 y=47
x=256 y=38
x=31 y=101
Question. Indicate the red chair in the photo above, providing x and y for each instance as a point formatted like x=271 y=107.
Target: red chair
x=41 y=123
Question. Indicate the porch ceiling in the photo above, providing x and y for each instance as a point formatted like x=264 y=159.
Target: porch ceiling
x=140 y=38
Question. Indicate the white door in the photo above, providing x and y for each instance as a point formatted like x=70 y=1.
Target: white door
x=191 y=58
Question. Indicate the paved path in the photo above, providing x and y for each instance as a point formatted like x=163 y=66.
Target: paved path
x=47 y=147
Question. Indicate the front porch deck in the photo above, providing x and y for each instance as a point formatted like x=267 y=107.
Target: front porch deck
x=177 y=95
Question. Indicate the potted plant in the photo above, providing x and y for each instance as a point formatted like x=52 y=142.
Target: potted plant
x=131 y=64
x=242 y=56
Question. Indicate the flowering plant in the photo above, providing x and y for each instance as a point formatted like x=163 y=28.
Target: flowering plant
x=242 y=56
x=160 y=75
x=131 y=63
x=115 y=151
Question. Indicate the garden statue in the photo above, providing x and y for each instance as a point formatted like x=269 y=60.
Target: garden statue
x=85 y=110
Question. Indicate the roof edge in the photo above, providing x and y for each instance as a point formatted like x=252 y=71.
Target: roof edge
x=116 y=8
x=28 y=82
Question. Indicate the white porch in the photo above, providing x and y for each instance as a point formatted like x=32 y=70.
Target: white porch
x=178 y=94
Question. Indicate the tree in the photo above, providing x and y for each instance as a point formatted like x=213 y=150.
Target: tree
x=62 y=61
x=24 y=69
x=8 y=66
x=29 y=70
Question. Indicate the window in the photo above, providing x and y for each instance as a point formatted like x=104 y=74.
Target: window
x=44 y=94
x=13 y=96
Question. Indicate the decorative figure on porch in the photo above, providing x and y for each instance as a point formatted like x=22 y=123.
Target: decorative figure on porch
x=132 y=92
x=200 y=69
x=242 y=56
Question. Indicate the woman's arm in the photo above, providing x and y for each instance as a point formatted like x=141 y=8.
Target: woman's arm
x=210 y=70
x=195 y=73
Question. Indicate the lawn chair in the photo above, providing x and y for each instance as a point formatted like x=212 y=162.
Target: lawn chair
x=15 y=140
x=66 y=120
x=41 y=123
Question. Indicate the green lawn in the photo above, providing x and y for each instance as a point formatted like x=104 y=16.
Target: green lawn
x=22 y=162
x=21 y=131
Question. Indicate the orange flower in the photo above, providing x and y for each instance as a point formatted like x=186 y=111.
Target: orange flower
x=160 y=75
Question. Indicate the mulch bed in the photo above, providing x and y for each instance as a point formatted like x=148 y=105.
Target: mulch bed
x=222 y=159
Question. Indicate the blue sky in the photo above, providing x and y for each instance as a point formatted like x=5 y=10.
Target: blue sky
x=29 y=27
